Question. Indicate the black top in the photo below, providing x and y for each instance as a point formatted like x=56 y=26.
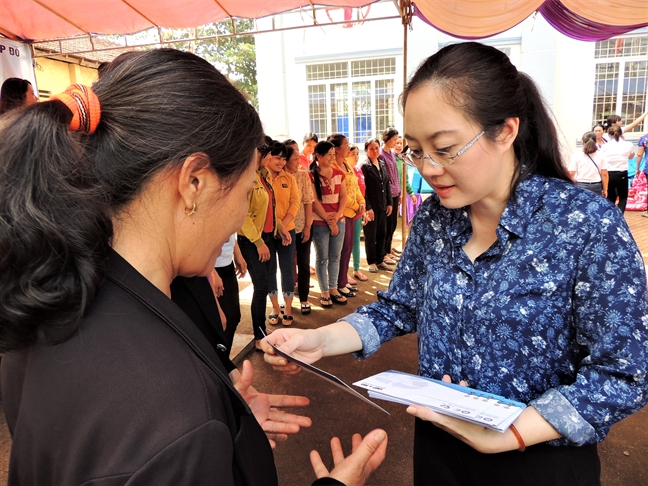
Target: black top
x=135 y=396
x=378 y=188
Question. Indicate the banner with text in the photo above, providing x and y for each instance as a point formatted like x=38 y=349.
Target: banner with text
x=16 y=62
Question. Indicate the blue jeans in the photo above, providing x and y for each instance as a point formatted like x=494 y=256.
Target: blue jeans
x=259 y=273
x=286 y=256
x=327 y=255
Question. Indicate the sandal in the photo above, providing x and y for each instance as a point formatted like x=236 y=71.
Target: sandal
x=273 y=319
x=360 y=276
x=382 y=266
x=287 y=320
x=282 y=308
x=339 y=299
x=346 y=293
x=305 y=309
x=326 y=302
x=351 y=281
x=352 y=288
x=389 y=261
x=373 y=268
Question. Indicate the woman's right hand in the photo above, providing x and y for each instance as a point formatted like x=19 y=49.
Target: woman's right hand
x=370 y=215
x=334 y=229
x=304 y=344
x=264 y=253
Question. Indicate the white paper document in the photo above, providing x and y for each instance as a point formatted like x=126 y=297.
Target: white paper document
x=488 y=410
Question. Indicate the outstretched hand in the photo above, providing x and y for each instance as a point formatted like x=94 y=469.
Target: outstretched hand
x=276 y=423
x=367 y=454
x=305 y=345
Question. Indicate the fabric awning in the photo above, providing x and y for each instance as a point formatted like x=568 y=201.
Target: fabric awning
x=580 y=19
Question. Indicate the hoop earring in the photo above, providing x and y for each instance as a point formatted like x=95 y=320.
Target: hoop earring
x=189 y=212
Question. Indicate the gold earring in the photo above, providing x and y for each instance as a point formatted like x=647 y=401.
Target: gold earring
x=189 y=212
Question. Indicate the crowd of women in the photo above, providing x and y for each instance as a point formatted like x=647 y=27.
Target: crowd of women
x=602 y=164
x=326 y=196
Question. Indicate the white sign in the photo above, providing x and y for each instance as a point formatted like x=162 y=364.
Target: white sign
x=16 y=62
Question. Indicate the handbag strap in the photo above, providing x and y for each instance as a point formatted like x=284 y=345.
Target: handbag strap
x=597 y=168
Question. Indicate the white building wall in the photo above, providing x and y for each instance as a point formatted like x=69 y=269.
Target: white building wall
x=562 y=68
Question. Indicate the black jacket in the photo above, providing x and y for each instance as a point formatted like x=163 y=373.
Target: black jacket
x=378 y=192
x=137 y=396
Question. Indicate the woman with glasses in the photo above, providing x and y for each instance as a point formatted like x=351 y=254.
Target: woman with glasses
x=517 y=282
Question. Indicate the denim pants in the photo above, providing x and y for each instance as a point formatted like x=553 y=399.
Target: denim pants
x=286 y=255
x=260 y=275
x=327 y=255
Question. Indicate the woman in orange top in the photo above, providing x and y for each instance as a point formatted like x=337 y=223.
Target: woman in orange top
x=287 y=201
x=354 y=209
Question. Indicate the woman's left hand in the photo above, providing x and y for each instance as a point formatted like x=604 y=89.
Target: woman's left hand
x=276 y=423
x=286 y=239
x=480 y=438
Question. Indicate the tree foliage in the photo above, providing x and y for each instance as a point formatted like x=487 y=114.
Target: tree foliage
x=233 y=56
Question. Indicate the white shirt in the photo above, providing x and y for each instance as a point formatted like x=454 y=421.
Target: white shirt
x=585 y=169
x=227 y=253
x=617 y=154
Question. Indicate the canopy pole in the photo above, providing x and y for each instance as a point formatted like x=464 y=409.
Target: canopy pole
x=406 y=18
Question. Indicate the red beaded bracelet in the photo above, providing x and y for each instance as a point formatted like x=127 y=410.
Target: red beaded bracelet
x=519 y=438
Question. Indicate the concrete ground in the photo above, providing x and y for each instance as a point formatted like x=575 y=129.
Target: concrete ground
x=624 y=453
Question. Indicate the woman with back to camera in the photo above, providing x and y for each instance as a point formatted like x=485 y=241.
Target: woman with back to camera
x=328 y=222
x=104 y=379
x=588 y=168
x=617 y=153
x=379 y=206
x=16 y=92
x=506 y=277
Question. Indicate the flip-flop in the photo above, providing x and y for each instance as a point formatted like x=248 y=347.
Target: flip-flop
x=287 y=320
x=360 y=276
x=346 y=293
x=339 y=299
x=326 y=302
x=373 y=268
x=352 y=288
x=273 y=319
x=305 y=309
x=351 y=281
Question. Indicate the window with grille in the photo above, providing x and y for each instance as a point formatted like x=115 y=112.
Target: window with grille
x=621 y=74
x=355 y=98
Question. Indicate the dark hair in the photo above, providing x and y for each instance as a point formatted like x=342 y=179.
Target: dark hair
x=599 y=124
x=615 y=132
x=353 y=146
x=273 y=147
x=59 y=188
x=13 y=94
x=290 y=150
x=369 y=141
x=589 y=143
x=310 y=136
x=322 y=148
x=336 y=139
x=389 y=133
x=480 y=81
x=290 y=141
x=611 y=120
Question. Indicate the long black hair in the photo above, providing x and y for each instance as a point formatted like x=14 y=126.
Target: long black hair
x=13 y=94
x=322 y=148
x=59 y=190
x=481 y=82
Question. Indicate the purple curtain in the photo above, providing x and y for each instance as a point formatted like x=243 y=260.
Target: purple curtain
x=564 y=21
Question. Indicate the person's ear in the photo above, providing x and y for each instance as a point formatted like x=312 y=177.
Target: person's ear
x=509 y=132
x=193 y=179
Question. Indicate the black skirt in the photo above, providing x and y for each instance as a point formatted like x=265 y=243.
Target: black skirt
x=441 y=459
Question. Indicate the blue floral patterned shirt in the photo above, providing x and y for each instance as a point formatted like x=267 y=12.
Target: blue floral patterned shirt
x=553 y=314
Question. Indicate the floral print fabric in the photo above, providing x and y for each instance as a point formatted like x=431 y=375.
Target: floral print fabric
x=554 y=314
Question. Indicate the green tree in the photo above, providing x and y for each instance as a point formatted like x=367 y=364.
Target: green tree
x=233 y=56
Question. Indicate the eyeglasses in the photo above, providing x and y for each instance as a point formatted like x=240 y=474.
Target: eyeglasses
x=444 y=159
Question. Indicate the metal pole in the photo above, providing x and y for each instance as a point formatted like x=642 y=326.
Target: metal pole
x=406 y=18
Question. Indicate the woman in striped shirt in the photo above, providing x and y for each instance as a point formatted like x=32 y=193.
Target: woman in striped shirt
x=328 y=221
